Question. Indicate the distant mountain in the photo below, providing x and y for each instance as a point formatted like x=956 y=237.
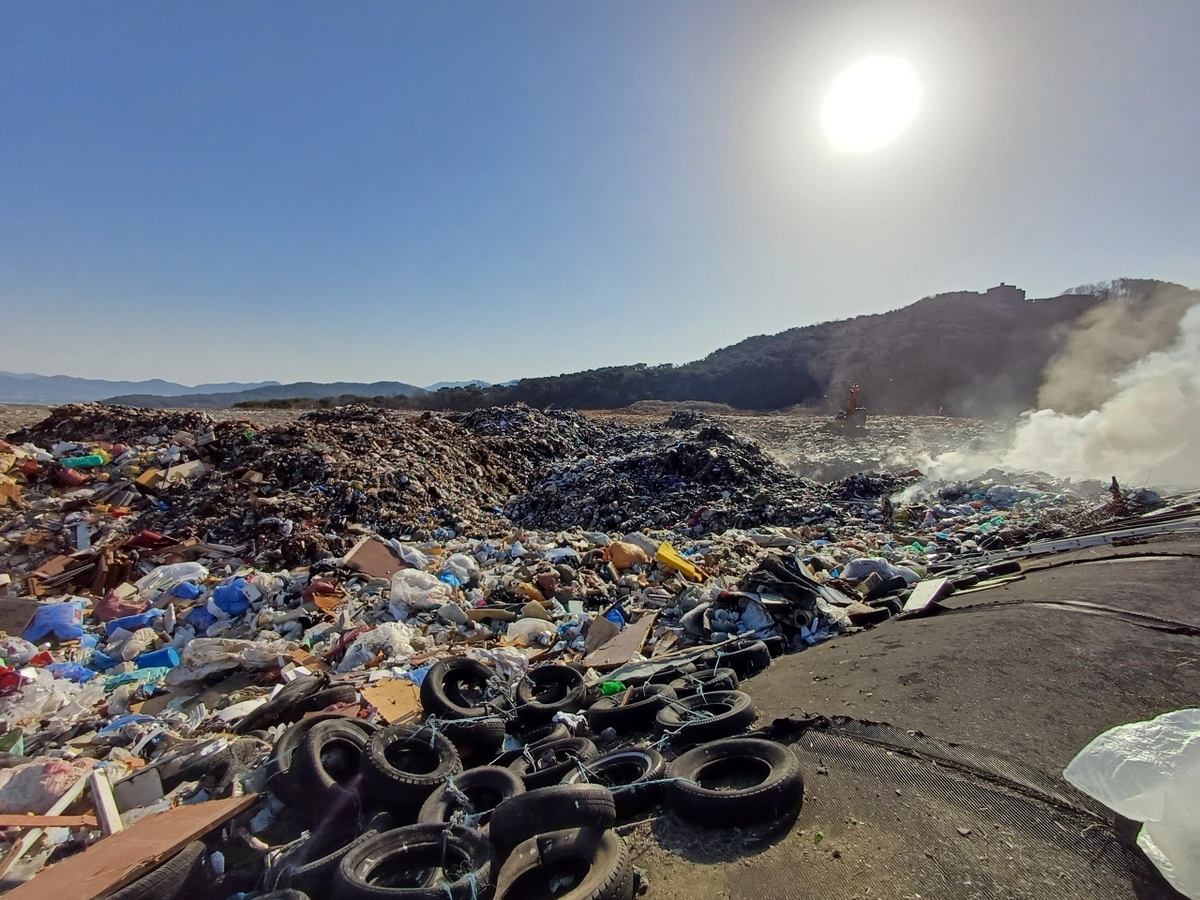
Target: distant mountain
x=275 y=391
x=25 y=387
x=964 y=353
x=457 y=384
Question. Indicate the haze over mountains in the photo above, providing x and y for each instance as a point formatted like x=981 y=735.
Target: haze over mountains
x=964 y=353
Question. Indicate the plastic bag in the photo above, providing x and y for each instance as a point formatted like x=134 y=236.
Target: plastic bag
x=461 y=567
x=60 y=620
x=415 y=590
x=393 y=639
x=34 y=787
x=1150 y=772
x=203 y=657
x=166 y=577
x=235 y=598
x=858 y=569
x=625 y=556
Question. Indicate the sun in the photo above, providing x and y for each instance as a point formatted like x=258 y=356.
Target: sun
x=870 y=104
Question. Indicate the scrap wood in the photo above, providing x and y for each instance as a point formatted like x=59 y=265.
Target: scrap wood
x=112 y=863
x=621 y=648
x=31 y=821
x=31 y=837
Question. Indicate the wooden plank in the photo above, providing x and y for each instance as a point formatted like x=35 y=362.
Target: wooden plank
x=105 y=803
x=20 y=821
x=925 y=593
x=31 y=837
x=617 y=651
x=113 y=862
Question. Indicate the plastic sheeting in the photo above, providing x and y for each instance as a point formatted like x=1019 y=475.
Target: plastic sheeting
x=1150 y=772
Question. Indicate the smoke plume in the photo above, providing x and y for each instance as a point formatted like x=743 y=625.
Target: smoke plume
x=1137 y=319
x=1140 y=423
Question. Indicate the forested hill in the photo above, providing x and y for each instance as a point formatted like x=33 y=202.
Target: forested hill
x=963 y=353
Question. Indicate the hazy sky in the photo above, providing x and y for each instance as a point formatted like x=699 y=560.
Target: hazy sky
x=442 y=191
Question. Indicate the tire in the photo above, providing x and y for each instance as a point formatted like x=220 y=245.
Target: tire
x=479 y=740
x=485 y=788
x=777 y=788
x=531 y=738
x=326 y=766
x=597 y=862
x=396 y=865
x=286 y=894
x=404 y=764
x=167 y=881
x=667 y=676
x=776 y=645
x=627 y=773
x=747 y=661
x=196 y=767
x=457 y=689
x=280 y=780
x=313 y=877
x=703 y=682
x=547 y=763
x=551 y=809
x=274 y=710
x=730 y=712
x=550 y=689
x=636 y=715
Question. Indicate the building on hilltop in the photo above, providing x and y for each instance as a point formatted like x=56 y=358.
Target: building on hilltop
x=1006 y=293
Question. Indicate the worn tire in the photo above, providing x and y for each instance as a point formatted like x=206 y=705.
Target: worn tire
x=404 y=764
x=551 y=809
x=280 y=707
x=550 y=689
x=167 y=881
x=748 y=660
x=486 y=788
x=703 y=682
x=327 y=766
x=598 y=860
x=731 y=712
x=547 y=763
x=667 y=676
x=478 y=741
x=777 y=788
x=457 y=689
x=531 y=738
x=636 y=715
x=629 y=774
x=280 y=780
x=416 y=850
x=313 y=876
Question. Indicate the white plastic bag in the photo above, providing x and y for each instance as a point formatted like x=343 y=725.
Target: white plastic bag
x=392 y=639
x=1150 y=772
x=416 y=590
x=207 y=656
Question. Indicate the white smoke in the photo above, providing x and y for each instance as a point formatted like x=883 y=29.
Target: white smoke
x=1147 y=431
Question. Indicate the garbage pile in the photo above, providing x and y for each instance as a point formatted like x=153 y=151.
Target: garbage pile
x=339 y=652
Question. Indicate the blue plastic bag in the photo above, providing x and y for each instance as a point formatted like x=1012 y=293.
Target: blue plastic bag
x=185 y=590
x=71 y=671
x=59 y=620
x=231 y=598
x=200 y=619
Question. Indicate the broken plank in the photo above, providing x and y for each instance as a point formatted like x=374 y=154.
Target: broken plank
x=926 y=593
x=22 y=821
x=113 y=862
x=618 y=651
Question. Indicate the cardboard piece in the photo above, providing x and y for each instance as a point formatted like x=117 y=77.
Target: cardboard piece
x=621 y=648
x=373 y=557
x=397 y=699
x=600 y=632
x=15 y=615
x=112 y=863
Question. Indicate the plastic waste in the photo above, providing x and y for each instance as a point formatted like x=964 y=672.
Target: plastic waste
x=625 y=556
x=858 y=569
x=461 y=566
x=235 y=598
x=1150 y=772
x=35 y=786
x=415 y=591
x=71 y=671
x=17 y=651
x=164 y=578
x=393 y=639
x=668 y=556
x=532 y=631
x=84 y=462
x=167 y=657
x=203 y=657
x=59 y=620
x=133 y=623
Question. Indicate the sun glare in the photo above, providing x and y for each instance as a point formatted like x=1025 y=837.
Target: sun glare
x=870 y=104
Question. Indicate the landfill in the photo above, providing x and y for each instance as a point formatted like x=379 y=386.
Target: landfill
x=367 y=653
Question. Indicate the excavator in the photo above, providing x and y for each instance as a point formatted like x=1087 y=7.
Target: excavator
x=853 y=417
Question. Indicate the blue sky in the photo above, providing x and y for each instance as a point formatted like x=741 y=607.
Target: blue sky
x=423 y=192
